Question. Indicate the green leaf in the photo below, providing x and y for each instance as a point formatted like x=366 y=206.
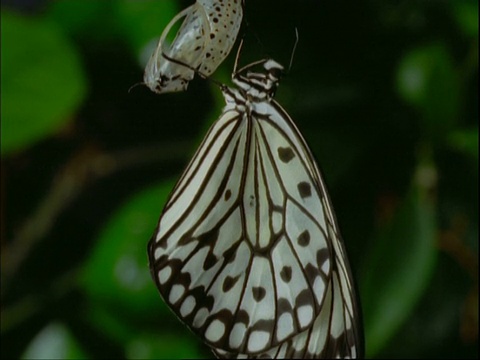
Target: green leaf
x=426 y=78
x=54 y=342
x=466 y=14
x=117 y=273
x=465 y=141
x=42 y=81
x=401 y=264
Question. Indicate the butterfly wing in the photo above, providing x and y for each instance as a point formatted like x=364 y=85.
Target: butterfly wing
x=245 y=246
x=341 y=314
x=336 y=332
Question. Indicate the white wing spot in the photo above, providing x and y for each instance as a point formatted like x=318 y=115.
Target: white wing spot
x=258 y=340
x=237 y=334
x=176 y=293
x=215 y=330
x=277 y=221
x=326 y=267
x=319 y=285
x=284 y=326
x=200 y=317
x=305 y=315
x=164 y=274
x=187 y=306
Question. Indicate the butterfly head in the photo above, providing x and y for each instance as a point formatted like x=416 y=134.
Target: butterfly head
x=260 y=85
x=274 y=70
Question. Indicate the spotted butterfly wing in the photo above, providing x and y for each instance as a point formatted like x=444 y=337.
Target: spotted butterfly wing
x=204 y=40
x=334 y=333
x=247 y=251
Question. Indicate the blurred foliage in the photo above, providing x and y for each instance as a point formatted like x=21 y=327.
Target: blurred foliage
x=404 y=246
x=37 y=56
x=53 y=342
x=385 y=93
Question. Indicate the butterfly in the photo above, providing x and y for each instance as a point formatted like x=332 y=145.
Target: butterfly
x=203 y=41
x=247 y=251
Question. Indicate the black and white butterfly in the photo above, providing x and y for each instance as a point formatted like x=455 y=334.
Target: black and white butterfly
x=204 y=40
x=247 y=251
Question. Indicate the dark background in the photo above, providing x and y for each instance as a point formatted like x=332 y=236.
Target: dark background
x=385 y=92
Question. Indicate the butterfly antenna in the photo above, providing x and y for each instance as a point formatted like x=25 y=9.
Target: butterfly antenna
x=237 y=56
x=293 y=50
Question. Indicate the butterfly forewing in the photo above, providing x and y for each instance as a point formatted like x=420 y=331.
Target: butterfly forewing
x=247 y=251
